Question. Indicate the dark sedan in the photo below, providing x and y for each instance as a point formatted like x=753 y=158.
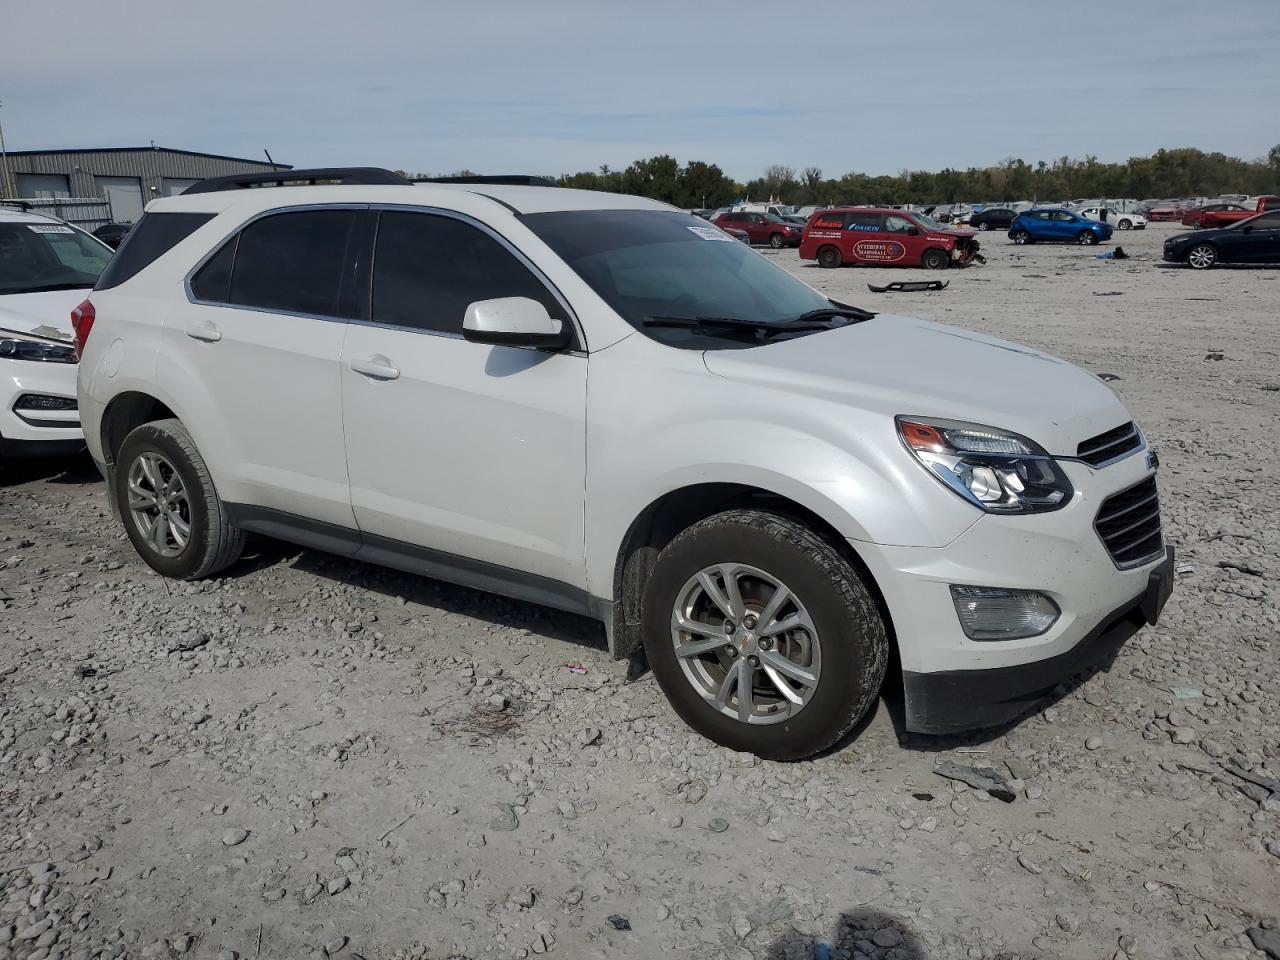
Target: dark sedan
x=993 y=218
x=1256 y=240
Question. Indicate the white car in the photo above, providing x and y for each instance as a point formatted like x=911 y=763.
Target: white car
x=46 y=267
x=1121 y=221
x=605 y=405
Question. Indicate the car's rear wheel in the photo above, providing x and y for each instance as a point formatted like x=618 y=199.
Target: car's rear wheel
x=1125 y=224
x=777 y=241
x=171 y=511
x=829 y=257
x=763 y=635
x=1202 y=256
x=935 y=259
x=1086 y=238
x=1020 y=237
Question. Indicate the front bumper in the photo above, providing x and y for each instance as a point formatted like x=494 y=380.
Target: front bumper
x=954 y=701
x=1059 y=554
x=37 y=433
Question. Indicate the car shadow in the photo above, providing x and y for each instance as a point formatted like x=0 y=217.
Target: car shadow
x=859 y=931
x=76 y=470
x=263 y=552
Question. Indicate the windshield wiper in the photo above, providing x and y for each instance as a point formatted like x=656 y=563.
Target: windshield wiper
x=761 y=329
x=856 y=314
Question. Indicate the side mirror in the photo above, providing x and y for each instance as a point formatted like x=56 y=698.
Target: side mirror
x=1248 y=229
x=913 y=231
x=514 y=322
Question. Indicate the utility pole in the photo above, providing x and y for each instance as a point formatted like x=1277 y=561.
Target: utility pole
x=7 y=183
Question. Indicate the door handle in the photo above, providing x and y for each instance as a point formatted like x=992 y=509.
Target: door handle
x=204 y=331
x=376 y=367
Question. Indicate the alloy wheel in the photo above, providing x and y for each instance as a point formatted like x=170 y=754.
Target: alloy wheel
x=1202 y=256
x=746 y=643
x=159 y=505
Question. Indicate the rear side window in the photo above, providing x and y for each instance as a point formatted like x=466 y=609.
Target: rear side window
x=153 y=236
x=428 y=269
x=863 y=222
x=212 y=282
x=292 y=262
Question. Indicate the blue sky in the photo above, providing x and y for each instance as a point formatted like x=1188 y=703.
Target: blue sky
x=551 y=86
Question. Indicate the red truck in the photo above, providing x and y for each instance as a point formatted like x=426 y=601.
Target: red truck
x=1212 y=219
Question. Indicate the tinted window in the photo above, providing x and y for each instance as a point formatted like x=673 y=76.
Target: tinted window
x=1267 y=221
x=213 y=281
x=428 y=269
x=1271 y=203
x=292 y=262
x=862 y=222
x=154 y=235
x=1062 y=215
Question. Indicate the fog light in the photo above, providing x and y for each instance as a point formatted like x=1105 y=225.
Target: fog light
x=998 y=613
x=42 y=401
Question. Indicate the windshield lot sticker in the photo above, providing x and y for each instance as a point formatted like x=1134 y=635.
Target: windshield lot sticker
x=48 y=228
x=879 y=250
x=711 y=233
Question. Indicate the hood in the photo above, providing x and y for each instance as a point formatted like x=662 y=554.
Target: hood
x=901 y=365
x=45 y=314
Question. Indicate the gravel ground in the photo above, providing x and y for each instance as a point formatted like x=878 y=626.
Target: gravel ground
x=312 y=757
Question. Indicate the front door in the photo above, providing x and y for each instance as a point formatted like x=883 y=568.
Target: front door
x=470 y=450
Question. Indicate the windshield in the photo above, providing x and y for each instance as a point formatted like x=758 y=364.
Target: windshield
x=928 y=222
x=35 y=257
x=651 y=263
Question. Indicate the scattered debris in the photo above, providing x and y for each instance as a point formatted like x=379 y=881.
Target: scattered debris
x=987 y=779
x=909 y=286
x=619 y=922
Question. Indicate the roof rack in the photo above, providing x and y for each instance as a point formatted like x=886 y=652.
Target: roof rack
x=505 y=180
x=348 y=176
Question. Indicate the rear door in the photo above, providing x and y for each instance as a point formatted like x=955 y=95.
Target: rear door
x=469 y=450
x=254 y=350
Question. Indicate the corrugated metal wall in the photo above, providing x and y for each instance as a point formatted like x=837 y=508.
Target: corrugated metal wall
x=150 y=166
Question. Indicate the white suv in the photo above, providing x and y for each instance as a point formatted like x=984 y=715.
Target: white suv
x=45 y=268
x=605 y=405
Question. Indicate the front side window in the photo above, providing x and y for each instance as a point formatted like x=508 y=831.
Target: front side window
x=893 y=224
x=1063 y=216
x=292 y=262
x=35 y=257
x=653 y=263
x=427 y=269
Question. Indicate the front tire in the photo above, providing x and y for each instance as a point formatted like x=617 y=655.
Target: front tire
x=747 y=601
x=777 y=241
x=171 y=511
x=1087 y=238
x=935 y=259
x=829 y=258
x=983 y=225
x=1202 y=256
x=1125 y=224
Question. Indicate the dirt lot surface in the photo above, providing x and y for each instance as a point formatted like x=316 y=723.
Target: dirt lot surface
x=312 y=757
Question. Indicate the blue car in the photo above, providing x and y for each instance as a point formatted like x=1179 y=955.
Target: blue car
x=1057 y=224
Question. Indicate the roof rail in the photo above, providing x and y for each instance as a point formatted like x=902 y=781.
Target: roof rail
x=505 y=180
x=278 y=178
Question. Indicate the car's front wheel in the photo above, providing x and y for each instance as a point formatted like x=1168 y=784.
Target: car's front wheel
x=763 y=635
x=171 y=510
x=777 y=241
x=984 y=225
x=935 y=259
x=1086 y=238
x=1125 y=224
x=1020 y=237
x=1202 y=256
x=829 y=257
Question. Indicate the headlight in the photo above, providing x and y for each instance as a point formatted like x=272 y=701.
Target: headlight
x=12 y=349
x=995 y=470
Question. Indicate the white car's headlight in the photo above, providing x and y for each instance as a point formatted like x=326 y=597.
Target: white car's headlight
x=995 y=470
x=17 y=348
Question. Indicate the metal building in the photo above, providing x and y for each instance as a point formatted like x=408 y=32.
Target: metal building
x=125 y=177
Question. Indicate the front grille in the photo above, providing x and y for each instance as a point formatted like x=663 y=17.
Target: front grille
x=1129 y=525
x=1109 y=446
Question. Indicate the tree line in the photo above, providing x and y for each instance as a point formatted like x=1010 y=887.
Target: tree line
x=1182 y=172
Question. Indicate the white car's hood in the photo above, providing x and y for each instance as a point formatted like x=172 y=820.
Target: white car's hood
x=901 y=365
x=45 y=314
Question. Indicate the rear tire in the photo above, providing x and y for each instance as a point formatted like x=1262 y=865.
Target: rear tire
x=833 y=658
x=1086 y=238
x=935 y=259
x=1202 y=256
x=829 y=258
x=170 y=509
x=777 y=241
x=1020 y=237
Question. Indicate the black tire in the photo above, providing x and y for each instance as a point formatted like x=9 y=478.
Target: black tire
x=213 y=543
x=1086 y=238
x=829 y=257
x=1125 y=224
x=777 y=241
x=984 y=225
x=1021 y=237
x=935 y=259
x=1202 y=256
x=853 y=641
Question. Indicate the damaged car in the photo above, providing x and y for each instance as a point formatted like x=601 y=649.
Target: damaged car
x=881 y=237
